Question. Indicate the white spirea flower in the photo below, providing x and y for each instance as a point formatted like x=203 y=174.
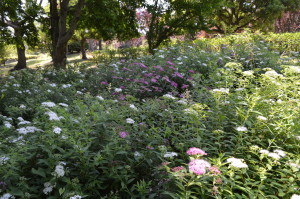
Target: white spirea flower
x=79 y=93
x=263 y=151
x=240 y=89
x=280 y=152
x=28 y=129
x=66 y=85
x=7 y=196
x=182 y=101
x=52 y=85
x=133 y=107
x=3 y=159
x=118 y=90
x=237 y=163
x=48 y=188
x=274 y=155
x=7 y=124
x=48 y=104
x=190 y=111
x=241 y=128
x=20 y=119
x=248 y=73
x=76 y=197
x=137 y=154
x=168 y=96
x=297 y=137
x=57 y=130
x=273 y=74
x=22 y=106
x=262 y=118
x=53 y=116
x=100 y=97
x=63 y=104
x=295 y=196
x=170 y=154
x=129 y=121
x=59 y=170
x=221 y=90
x=24 y=122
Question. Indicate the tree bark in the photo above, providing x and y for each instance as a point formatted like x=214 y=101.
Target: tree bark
x=82 y=46
x=100 y=44
x=20 y=50
x=21 y=58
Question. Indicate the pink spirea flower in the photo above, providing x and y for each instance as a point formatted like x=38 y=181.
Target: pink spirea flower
x=195 y=151
x=176 y=169
x=104 y=83
x=184 y=86
x=123 y=134
x=214 y=170
x=198 y=166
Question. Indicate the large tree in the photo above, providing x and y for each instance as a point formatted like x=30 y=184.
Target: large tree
x=63 y=26
x=161 y=19
x=17 y=26
x=236 y=15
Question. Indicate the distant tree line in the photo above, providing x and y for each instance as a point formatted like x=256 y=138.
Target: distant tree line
x=26 y=22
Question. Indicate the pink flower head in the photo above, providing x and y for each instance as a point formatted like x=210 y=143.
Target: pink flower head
x=214 y=170
x=198 y=166
x=104 y=83
x=154 y=80
x=123 y=134
x=176 y=169
x=177 y=74
x=191 y=71
x=195 y=151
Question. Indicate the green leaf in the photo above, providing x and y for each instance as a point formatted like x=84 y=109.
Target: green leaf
x=39 y=171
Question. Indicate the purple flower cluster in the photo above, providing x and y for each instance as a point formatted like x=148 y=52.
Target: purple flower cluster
x=195 y=151
x=123 y=134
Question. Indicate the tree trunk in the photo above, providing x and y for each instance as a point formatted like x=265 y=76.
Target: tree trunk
x=100 y=44
x=20 y=50
x=82 y=46
x=60 y=58
x=21 y=58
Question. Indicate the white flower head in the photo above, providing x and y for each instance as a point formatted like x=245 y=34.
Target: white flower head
x=274 y=155
x=48 y=188
x=170 y=154
x=53 y=116
x=237 y=163
x=28 y=129
x=280 y=152
x=182 y=101
x=241 y=128
x=295 y=196
x=263 y=151
x=118 y=90
x=248 y=73
x=221 y=90
x=24 y=122
x=75 y=197
x=7 y=196
x=3 y=160
x=57 y=130
x=48 y=104
x=22 y=106
x=63 y=104
x=130 y=121
x=7 y=124
x=100 y=97
x=262 y=118
x=137 y=154
x=59 y=170
x=133 y=107
x=168 y=96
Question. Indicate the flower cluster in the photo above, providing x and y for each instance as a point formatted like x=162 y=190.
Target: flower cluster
x=59 y=169
x=48 y=188
x=195 y=151
x=237 y=163
x=198 y=166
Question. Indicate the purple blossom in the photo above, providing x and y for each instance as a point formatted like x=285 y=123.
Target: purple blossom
x=148 y=74
x=174 y=84
x=214 y=170
x=177 y=74
x=104 y=83
x=153 y=80
x=191 y=71
x=184 y=86
x=198 y=166
x=126 y=69
x=171 y=67
x=195 y=151
x=149 y=147
x=169 y=62
x=166 y=78
x=115 y=77
x=123 y=134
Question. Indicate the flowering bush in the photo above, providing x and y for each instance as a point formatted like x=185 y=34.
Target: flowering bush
x=211 y=129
